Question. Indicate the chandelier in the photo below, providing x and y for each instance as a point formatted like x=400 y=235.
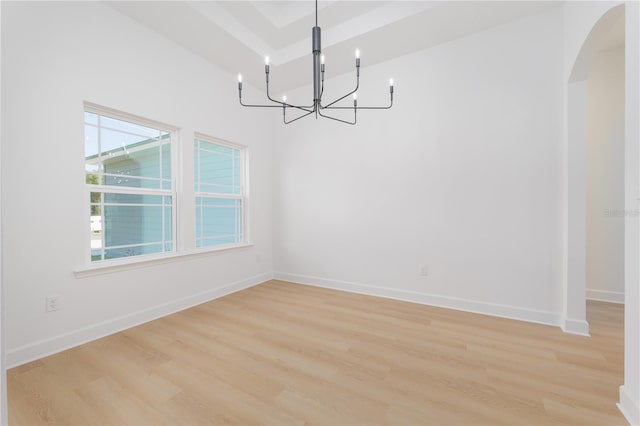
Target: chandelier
x=316 y=108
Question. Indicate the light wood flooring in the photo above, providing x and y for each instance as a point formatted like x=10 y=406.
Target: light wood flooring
x=282 y=354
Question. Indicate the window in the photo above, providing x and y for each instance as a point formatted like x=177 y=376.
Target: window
x=220 y=192
x=128 y=169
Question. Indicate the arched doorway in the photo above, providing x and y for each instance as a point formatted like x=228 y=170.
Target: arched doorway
x=589 y=33
x=575 y=220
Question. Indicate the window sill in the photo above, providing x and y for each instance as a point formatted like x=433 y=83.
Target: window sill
x=118 y=265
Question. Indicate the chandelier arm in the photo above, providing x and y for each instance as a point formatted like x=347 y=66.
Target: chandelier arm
x=355 y=117
x=309 y=111
x=302 y=108
x=376 y=107
x=283 y=104
x=284 y=116
x=348 y=94
x=258 y=106
x=365 y=107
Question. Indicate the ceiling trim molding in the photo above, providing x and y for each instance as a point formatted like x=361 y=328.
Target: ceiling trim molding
x=379 y=17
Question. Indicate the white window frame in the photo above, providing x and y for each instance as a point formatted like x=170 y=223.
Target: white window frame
x=243 y=196
x=172 y=192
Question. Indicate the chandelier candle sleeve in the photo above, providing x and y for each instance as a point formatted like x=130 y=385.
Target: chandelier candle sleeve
x=316 y=43
x=316 y=107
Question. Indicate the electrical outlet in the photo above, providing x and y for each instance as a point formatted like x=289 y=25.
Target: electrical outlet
x=424 y=270
x=52 y=303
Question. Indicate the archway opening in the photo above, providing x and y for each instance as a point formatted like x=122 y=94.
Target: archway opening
x=594 y=239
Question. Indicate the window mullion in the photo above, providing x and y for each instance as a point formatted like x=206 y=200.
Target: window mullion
x=103 y=224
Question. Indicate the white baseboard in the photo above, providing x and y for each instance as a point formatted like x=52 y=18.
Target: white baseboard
x=504 y=311
x=605 y=296
x=574 y=326
x=42 y=348
x=629 y=408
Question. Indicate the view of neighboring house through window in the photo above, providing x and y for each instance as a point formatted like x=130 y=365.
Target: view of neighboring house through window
x=130 y=189
x=220 y=192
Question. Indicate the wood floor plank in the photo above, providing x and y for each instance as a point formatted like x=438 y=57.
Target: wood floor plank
x=287 y=354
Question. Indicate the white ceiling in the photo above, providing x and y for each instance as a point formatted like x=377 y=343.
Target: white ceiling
x=236 y=35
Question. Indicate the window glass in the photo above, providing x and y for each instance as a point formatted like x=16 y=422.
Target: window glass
x=218 y=221
x=220 y=198
x=124 y=156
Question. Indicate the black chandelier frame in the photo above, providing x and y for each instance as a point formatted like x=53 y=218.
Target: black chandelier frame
x=317 y=107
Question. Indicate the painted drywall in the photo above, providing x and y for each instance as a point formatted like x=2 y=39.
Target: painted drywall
x=459 y=177
x=4 y=418
x=605 y=177
x=630 y=391
x=574 y=309
x=55 y=56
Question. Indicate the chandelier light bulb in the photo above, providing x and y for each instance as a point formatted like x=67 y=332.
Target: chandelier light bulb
x=357 y=53
x=390 y=82
x=266 y=60
x=322 y=59
x=239 y=78
x=284 y=98
x=355 y=96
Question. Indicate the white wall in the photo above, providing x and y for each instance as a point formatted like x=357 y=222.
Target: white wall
x=605 y=177
x=4 y=418
x=460 y=176
x=630 y=391
x=574 y=307
x=55 y=56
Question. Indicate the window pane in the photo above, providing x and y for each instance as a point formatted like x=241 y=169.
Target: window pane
x=114 y=253
x=124 y=126
x=125 y=159
x=166 y=165
x=90 y=142
x=129 y=224
x=218 y=221
x=218 y=169
x=116 y=143
x=90 y=118
x=144 y=163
